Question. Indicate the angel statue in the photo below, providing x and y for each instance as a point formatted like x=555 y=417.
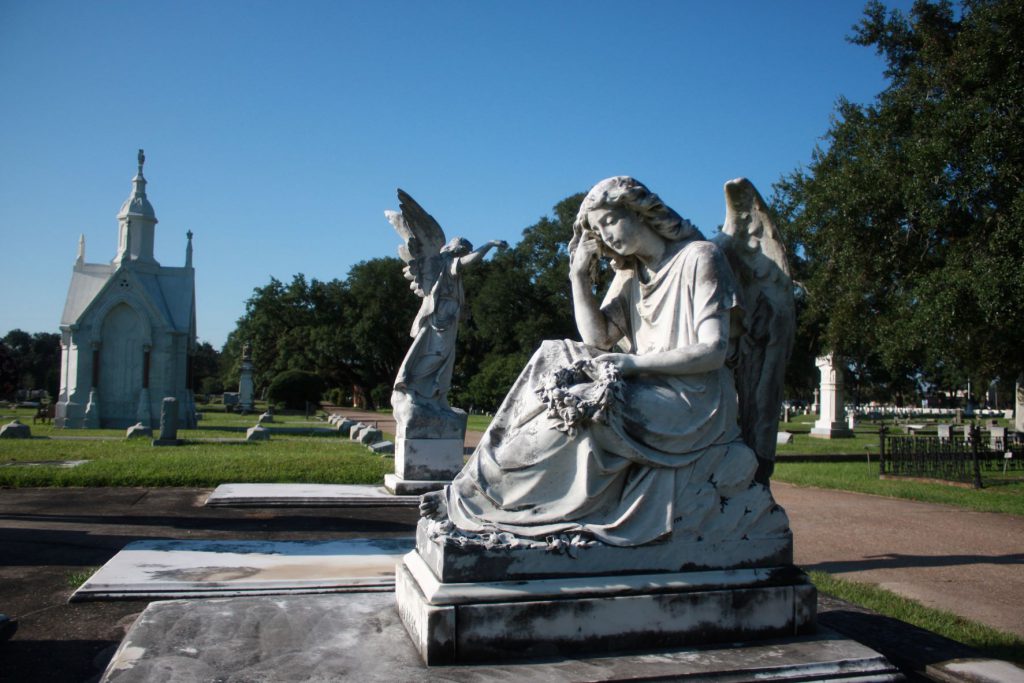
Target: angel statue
x=637 y=434
x=434 y=267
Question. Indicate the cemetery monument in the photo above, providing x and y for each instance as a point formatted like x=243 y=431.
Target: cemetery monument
x=430 y=433
x=128 y=331
x=831 y=423
x=620 y=497
x=245 y=399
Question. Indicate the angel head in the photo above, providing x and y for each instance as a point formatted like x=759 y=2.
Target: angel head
x=457 y=246
x=634 y=206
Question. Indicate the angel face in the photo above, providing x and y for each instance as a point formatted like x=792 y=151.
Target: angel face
x=620 y=229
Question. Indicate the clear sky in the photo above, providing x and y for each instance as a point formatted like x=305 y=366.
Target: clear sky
x=278 y=131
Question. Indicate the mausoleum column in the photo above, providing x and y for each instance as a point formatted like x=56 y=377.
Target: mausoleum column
x=95 y=365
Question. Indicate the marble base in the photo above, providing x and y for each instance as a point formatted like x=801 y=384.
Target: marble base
x=412 y=487
x=428 y=459
x=498 y=621
x=359 y=637
x=306 y=495
x=471 y=563
x=176 y=569
x=831 y=430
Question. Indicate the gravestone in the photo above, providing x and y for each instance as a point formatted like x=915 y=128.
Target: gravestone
x=15 y=430
x=245 y=398
x=383 y=448
x=257 y=433
x=997 y=438
x=168 y=423
x=783 y=438
x=814 y=405
x=944 y=431
x=355 y=430
x=830 y=424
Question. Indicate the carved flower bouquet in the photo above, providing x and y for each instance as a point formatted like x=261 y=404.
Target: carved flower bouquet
x=580 y=393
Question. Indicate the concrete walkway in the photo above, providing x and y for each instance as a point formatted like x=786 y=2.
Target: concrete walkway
x=969 y=563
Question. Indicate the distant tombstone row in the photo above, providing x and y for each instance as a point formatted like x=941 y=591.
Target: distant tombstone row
x=367 y=434
x=15 y=430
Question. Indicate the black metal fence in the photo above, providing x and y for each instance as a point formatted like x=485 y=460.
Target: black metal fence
x=969 y=459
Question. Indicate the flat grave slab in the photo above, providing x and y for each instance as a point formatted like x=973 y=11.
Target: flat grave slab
x=176 y=569
x=306 y=495
x=360 y=637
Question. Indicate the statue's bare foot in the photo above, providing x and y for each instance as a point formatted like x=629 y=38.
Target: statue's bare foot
x=433 y=505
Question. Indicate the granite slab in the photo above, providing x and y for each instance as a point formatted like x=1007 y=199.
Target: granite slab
x=173 y=569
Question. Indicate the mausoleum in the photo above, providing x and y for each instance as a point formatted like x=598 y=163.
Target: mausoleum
x=128 y=331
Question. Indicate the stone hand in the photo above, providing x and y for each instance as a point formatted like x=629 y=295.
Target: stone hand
x=586 y=252
x=624 y=362
x=433 y=505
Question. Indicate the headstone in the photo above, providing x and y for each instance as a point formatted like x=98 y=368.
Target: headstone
x=851 y=420
x=138 y=431
x=958 y=416
x=383 y=448
x=783 y=438
x=245 y=398
x=944 y=431
x=15 y=430
x=370 y=435
x=257 y=433
x=997 y=438
x=266 y=417
x=830 y=424
x=344 y=426
x=355 y=430
x=168 y=423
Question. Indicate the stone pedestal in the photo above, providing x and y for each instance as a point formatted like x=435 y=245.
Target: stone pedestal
x=470 y=622
x=168 y=423
x=830 y=424
x=429 y=444
x=245 y=395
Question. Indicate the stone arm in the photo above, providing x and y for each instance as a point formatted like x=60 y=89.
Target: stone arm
x=594 y=326
x=709 y=353
x=478 y=255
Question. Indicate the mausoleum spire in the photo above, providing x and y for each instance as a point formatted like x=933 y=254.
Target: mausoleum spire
x=188 y=250
x=138 y=213
x=80 y=259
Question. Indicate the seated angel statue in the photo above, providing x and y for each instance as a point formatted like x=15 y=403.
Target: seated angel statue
x=626 y=446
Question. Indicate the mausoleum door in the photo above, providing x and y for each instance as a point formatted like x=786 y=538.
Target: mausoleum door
x=120 y=365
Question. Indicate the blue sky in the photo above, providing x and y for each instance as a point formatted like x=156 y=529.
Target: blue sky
x=278 y=132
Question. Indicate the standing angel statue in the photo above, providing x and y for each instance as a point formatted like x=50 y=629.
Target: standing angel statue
x=434 y=268
x=637 y=435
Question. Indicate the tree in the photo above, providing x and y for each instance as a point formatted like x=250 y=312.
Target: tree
x=36 y=359
x=206 y=369
x=908 y=224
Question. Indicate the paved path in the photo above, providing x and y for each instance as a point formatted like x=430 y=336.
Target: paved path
x=970 y=563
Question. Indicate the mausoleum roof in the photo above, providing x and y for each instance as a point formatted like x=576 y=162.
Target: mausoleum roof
x=87 y=281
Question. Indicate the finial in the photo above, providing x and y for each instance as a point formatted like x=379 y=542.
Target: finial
x=81 y=249
x=142 y=160
x=188 y=250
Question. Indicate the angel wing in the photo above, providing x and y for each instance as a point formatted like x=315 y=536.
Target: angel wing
x=758 y=258
x=423 y=239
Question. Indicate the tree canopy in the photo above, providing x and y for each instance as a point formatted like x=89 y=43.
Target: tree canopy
x=908 y=223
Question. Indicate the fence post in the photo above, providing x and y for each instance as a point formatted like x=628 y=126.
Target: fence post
x=975 y=444
x=881 y=449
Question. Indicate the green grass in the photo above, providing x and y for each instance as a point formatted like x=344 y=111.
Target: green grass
x=859 y=477
x=76 y=578
x=990 y=641
x=116 y=461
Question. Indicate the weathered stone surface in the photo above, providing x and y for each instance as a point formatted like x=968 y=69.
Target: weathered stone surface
x=783 y=438
x=266 y=417
x=412 y=487
x=370 y=436
x=169 y=419
x=383 y=448
x=360 y=637
x=541 y=618
x=158 y=569
x=15 y=430
x=355 y=430
x=428 y=459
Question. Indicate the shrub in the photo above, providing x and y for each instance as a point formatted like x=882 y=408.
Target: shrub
x=294 y=388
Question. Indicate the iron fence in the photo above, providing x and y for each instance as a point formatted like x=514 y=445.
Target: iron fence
x=968 y=459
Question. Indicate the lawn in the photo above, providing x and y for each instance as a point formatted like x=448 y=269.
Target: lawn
x=991 y=642
x=116 y=461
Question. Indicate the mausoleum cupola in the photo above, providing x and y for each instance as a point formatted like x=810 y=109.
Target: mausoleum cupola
x=138 y=217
